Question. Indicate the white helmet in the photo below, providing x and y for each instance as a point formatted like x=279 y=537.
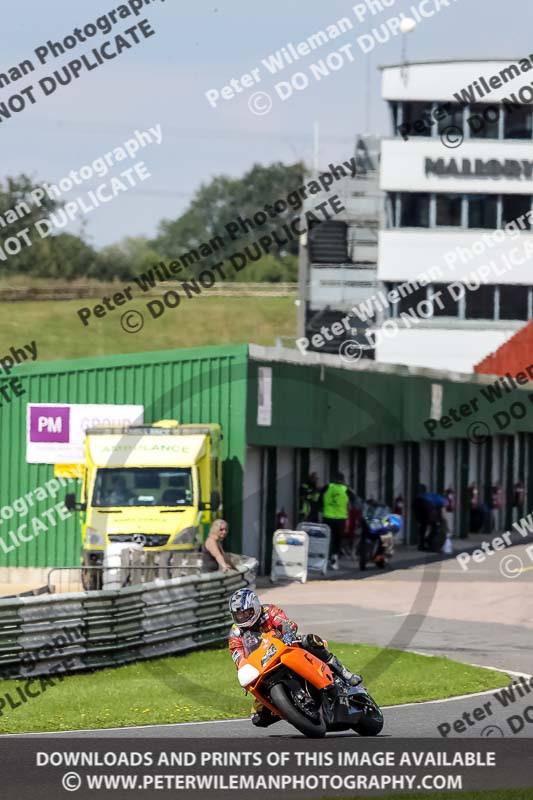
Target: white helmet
x=245 y=608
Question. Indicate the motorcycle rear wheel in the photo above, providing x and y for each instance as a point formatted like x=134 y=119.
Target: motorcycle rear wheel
x=281 y=699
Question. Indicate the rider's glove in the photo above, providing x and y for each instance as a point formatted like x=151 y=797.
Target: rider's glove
x=289 y=638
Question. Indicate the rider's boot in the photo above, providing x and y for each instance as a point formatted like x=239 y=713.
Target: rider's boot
x=339 y=669
x=264 y=718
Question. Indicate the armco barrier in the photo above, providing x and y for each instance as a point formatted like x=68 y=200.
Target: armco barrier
x=84 y=630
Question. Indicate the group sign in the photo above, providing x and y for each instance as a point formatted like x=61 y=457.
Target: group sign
x=56 y=433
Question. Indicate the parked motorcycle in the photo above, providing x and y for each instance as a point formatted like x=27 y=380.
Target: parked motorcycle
x=301 y=689
x=377 y=538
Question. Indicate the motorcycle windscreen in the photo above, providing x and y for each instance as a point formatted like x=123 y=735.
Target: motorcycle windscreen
x=251 y=641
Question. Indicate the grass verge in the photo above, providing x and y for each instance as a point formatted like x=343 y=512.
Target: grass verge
x=197 y=322
x=203 y=686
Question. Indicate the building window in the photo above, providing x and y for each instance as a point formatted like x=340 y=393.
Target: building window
x=517 y=122
x=394 y=109
x=482 y=211
x=414 y=210
x=411 y=300
x=451 y=118
x=446 y=305
x=418 y=117
x=513 y=302
x=392 y=309
x=484 y=121
x=390 y=210
x=479 y=303
x=515 y=206
x=449 y=209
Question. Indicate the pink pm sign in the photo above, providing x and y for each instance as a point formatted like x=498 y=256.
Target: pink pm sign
x=49 y=424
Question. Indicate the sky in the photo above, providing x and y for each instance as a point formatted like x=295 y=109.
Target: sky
x=199 y=47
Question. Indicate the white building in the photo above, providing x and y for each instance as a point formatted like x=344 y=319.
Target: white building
x=454 y=175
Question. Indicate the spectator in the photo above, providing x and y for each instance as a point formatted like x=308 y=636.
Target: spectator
x=282 y=520
x=476 y=510
x=352 y=530
x=213 y=553
x=398 y=505
x=437 y=526
x=518 y=497
x=309 y=499
x=496 y=505
x=448 y=512
x=421 y=512
x=336 y=499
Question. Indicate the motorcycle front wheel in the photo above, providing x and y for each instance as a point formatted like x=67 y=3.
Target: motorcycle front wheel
x=371 y=723
x=281 y=698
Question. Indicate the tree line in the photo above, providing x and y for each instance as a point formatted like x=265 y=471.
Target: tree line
x=213 y=206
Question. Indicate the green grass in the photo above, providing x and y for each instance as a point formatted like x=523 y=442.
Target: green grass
x=200 y=321
x=203 y=686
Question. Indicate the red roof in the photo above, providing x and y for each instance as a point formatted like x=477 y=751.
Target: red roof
x=513 y=356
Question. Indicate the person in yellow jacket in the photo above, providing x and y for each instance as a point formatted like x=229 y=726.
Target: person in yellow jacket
x=336 y=499
x=309 y=499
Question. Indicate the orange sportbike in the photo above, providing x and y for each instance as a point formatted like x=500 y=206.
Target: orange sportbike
x=302 y=689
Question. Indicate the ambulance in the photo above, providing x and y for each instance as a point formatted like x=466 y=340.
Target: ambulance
x=159 y=486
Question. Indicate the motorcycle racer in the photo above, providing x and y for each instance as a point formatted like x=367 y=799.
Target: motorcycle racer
x=249 y=615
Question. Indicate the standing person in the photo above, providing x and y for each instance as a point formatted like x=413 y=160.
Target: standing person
x=437 y=531
x=282 y=520
x=309 y=499
x=496 y=504
x=421 y=512
x=476 y=513
x=336 y=500
x=213 y=553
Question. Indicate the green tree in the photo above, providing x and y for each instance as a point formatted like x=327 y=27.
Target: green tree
x=233 y=200
x=70 y=257
x=19 y=212
x=273 y=270
x=124 y=260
